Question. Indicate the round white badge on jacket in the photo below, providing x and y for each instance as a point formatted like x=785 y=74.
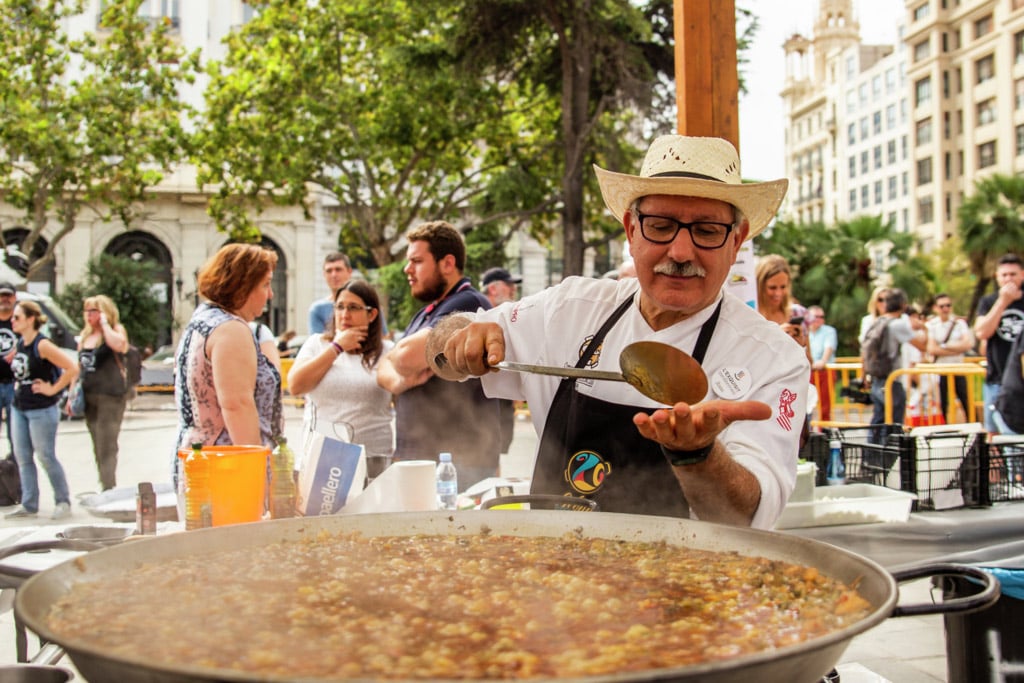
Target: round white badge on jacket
x=731 y=383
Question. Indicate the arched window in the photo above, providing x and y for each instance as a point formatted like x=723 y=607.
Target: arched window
x=142 y=247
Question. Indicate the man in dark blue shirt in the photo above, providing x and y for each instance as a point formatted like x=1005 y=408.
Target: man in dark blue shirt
x=433 y=415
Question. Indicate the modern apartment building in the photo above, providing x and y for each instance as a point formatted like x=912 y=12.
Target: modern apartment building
x=904 y=131
x=847 y=147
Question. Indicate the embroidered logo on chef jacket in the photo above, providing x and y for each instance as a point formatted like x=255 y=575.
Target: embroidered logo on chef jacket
x=731 y=383
x=595 y=356
x=586 y=472
x=786 y=412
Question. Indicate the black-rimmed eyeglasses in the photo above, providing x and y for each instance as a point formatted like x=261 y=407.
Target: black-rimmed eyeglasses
x=662 y=230
x=352 y=308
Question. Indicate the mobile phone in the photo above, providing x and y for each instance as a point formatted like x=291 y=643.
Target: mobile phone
x=798 y=320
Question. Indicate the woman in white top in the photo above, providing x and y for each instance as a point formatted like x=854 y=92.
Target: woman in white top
x=337 y=371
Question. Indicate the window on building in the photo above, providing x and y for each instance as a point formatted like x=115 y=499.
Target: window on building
x=878 y=192
x=924 y=171
x=945 y=42
x=921 y=50
x=985 y=69
x=949 y=206
x=903 y=147
x=922 y=91
x=903 y=110
x=891 y=219
x=905 y=225
x=878 y=156
x=945 y=84
x=958 y=80
x=947 y=125
x=853 y=167
x=851 y=101
x=1020 y=140
x=892 y=187
x=986 y=111
x=983 y=26
x=925 y=210
x=890 y=81
x=876 y=87
x=1018 y=47
x=851 y=67
x=862 y=94
x=1018 y=94
x=890 y=117
x=905 y=183
x=853 y=200
x=921 y=11
x=890 y=152
x=865 y=196
x=959 y=120
x=947 y=166
x=876 y=123
x=864 y=162
x=864 y=128
x=987 y=154
x=924 y=131
x=851 y=134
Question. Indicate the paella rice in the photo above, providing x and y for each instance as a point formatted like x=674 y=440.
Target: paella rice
x=477 y=606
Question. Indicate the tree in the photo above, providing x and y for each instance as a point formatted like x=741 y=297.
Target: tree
x=127 y=283
x=85 y=122
x=832 y=267
x=990 y=226
x=358 y=101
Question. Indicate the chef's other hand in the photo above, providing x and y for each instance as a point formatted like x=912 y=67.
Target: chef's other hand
x=685 y=427
x=464 y=348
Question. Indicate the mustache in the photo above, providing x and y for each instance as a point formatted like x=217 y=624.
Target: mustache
x=680 y=269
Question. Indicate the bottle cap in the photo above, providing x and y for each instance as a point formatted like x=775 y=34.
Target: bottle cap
x=197 y=446
x=446 y=457
x=835 y=443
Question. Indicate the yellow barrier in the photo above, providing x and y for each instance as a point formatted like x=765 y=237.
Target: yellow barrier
x=950 y=371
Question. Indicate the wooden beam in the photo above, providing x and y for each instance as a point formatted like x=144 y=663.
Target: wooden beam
x=707 y=79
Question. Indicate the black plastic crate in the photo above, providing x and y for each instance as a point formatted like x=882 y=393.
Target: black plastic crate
x=872 y=434
x=947 y=470
x=877 y=463
x=816 y=450
x=1006 y=470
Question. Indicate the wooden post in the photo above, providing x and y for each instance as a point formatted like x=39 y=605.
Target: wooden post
x=707 y=80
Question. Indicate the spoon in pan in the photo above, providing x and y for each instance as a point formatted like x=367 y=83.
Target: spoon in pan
x=660 y=372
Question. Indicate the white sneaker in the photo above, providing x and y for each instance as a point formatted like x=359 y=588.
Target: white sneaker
x=20 y=513
x=61 y=511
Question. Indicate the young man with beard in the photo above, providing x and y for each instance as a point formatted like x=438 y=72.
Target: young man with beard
x=432 y=415
x=8 y=297
x=729 y=458
x=999 y=323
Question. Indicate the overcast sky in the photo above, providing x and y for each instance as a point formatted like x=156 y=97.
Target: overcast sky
x=761 y=110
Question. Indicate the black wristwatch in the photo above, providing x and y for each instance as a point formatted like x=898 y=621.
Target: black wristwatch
x=680 y=458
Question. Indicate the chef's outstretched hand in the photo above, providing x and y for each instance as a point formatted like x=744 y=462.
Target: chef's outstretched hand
x=457 y=348
x=686 y=427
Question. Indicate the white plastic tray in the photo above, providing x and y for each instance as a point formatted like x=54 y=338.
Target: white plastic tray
x=848 y=504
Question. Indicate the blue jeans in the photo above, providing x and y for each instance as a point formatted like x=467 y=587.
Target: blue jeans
x=6 y=403
x=899 y=402
x=989 y=394
x=35 y=433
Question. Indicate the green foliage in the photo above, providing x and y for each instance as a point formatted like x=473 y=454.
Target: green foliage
x=832 y=267
x=991 y=225
x=85 y=122
x=127 y=283
x=951 y=265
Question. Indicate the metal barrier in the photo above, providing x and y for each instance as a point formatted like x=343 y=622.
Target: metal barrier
x=948 y=370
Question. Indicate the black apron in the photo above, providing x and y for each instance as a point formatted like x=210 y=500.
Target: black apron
x=590 y=448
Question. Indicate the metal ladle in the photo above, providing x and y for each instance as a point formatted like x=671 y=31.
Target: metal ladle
x=660 y=372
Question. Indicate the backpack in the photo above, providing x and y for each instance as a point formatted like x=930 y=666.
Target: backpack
x=10 y=482
x=878 y=359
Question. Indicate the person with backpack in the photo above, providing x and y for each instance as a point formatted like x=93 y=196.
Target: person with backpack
x=880 y=355
x=105 y=381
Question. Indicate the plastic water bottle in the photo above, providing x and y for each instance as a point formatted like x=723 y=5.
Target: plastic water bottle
x=282 y=480
x=198 y=500
x=447 y=483
x=836 y=472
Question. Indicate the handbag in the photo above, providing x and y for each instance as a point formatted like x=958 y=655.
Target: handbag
x=75 y=406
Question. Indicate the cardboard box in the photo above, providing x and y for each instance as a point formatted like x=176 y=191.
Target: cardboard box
x=848 y=504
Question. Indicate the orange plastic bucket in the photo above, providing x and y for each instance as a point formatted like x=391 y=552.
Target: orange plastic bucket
x=238 y=482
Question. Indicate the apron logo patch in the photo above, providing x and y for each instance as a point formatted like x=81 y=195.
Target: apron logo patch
x=595 y=356
x=586 y=472
x=786 y=413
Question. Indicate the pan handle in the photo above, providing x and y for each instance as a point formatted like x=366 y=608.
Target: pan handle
x=972 y=603
x=20 y=573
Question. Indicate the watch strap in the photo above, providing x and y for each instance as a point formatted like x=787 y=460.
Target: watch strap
x=680 y=458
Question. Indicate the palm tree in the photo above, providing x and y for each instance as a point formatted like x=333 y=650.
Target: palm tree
x=990 y=226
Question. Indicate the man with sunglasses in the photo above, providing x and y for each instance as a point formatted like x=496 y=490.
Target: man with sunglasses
x=731 y=457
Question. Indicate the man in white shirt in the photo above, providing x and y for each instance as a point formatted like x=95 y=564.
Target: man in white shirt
x=729 y=458
x=949 y=338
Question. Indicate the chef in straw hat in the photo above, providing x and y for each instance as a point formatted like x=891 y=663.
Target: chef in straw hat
x=730 y=457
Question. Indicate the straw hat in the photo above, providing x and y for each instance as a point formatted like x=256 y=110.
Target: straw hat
x=694 y=167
